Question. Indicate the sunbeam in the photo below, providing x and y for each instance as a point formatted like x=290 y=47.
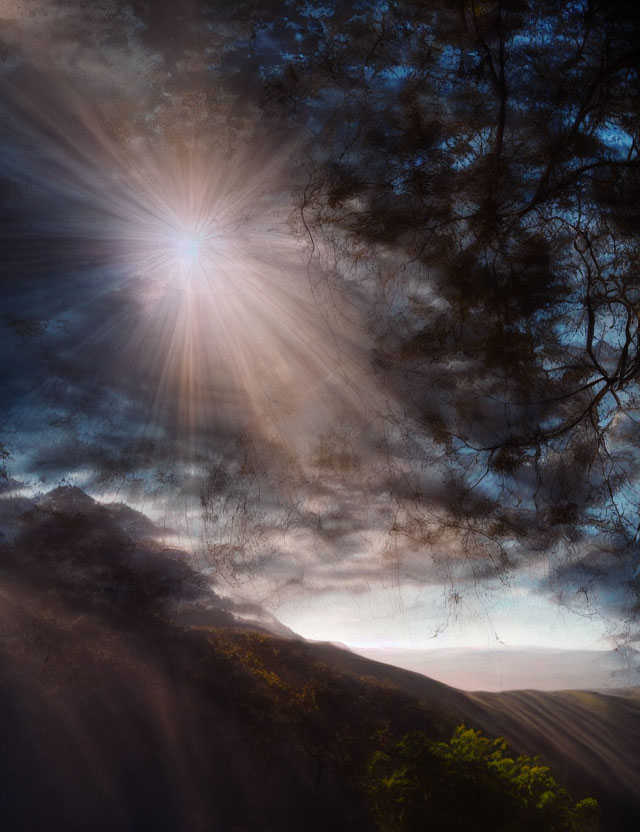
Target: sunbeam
x=226 y=326
x=344 y=303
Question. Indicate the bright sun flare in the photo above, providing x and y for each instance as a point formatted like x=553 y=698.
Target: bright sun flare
x=191 y=246
x=188 y=248
x=229 y=329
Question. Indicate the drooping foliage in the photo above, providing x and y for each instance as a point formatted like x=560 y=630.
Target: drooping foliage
x=473 y=170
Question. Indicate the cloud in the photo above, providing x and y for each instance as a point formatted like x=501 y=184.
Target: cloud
x=266 y=399
x=107 y=559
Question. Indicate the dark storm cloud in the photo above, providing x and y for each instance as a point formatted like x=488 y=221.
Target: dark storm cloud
x=598 y=581
x=108 y=559
x=94 y=553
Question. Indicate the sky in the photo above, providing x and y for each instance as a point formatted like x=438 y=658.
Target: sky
x=170 y=339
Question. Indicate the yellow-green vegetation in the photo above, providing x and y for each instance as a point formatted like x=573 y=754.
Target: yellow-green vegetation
x=469 y=784
x=282 y=687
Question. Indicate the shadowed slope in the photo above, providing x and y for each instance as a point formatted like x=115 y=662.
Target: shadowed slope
x=591 y=739
x=120 y=708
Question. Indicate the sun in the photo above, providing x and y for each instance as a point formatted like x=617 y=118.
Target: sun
x=228 y=331
x=177 y=249
x=193 y=246
x=188 y=247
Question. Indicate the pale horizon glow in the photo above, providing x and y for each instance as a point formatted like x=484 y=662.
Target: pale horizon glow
x=413 y=620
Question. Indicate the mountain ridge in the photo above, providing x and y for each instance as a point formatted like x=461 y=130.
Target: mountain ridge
x=133 y=697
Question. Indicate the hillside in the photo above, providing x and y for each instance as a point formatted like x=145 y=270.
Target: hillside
x=133 y=698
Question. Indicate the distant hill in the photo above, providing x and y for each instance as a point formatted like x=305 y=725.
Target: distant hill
x=517 y=668
x=132 y=698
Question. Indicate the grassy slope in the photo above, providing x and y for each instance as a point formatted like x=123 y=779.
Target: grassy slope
x=592 y=740
x=154 y=726
x=146 y=724
x=131 y=699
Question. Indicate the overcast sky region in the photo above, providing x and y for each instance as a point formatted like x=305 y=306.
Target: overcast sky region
x=187 y=328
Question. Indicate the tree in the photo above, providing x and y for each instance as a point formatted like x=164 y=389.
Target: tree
x=469 y=784
x=481 y=161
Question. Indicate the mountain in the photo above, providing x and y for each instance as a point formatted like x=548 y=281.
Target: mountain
x=132 y=697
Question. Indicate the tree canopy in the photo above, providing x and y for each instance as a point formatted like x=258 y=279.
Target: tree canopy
x=473 y=169
x=467 y=784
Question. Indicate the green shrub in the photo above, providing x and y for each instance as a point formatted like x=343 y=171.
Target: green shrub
x=469 y=784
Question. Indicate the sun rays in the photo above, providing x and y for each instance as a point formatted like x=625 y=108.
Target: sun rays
x=222 y=329
x=228 y=330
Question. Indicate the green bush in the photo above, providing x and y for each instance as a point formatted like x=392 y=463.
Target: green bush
x=469 y=784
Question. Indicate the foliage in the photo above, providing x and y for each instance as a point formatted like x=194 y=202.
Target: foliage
x=469 y=784
x=473 y=170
